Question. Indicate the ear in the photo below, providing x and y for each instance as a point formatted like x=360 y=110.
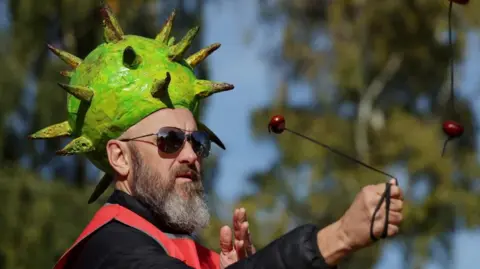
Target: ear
x=118 y=157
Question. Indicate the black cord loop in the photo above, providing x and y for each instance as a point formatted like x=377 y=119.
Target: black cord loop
x=385 y=196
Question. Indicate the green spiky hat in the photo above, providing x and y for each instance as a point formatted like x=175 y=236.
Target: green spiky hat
x=123 y=81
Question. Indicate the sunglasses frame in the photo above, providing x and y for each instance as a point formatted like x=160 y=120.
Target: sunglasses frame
x=188 y=137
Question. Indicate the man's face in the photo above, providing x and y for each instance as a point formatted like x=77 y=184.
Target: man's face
x=169 y=183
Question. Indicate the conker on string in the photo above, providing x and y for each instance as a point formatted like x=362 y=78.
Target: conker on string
x=461 y=2
x=452 y=129
x=276 y=124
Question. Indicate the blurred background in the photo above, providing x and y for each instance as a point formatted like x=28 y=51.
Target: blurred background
x=370 y=78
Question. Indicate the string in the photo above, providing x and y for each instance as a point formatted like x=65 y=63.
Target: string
x=341 y=153
x=450 y=44
x=445 y=145
x=452 y=70
x=385 y=195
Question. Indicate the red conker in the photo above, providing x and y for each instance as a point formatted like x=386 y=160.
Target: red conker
x=277 y=124
x=461 y=2
x=452 y=129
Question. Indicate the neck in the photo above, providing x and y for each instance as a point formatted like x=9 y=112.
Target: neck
x=122 y=185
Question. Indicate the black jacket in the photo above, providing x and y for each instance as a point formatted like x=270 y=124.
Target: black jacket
x=121 y=247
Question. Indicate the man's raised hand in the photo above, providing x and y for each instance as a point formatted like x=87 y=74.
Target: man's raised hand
x=241 y=246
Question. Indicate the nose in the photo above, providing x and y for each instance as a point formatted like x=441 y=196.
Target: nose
x=187 y=155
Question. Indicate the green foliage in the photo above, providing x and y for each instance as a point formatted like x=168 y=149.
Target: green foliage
x=41 y=219
x=383 y=58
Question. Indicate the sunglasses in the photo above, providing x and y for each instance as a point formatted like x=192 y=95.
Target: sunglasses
x=171 y=139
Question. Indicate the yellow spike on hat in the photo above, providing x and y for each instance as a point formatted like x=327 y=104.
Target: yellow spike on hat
x=164 y=34
x=202 y=54
x=80 y=92
x=78 y=145
x=112 y=31
x=68 y=58
x=205 y=88
x=57 y=130
x=177 y=51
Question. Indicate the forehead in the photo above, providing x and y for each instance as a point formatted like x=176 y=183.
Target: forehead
x=179 y=117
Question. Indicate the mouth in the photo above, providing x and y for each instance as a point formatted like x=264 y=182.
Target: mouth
x=185 y=177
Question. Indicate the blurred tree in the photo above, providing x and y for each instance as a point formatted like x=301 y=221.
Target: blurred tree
x=39 y=214
x=42 y=218
x=378 y=74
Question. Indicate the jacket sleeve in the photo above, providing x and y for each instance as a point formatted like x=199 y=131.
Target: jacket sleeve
x=297 y=249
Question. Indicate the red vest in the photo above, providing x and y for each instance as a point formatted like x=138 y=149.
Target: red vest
x=184 y=249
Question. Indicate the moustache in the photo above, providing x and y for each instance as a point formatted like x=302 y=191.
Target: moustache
x=187 y=171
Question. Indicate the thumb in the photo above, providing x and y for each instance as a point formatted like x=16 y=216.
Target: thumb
x=226 y=244
x=393 y=181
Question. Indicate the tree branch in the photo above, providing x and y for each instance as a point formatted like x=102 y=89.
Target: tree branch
x=365 y=105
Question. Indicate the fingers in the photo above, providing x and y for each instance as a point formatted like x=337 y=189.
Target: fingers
x=239 y=226
x=395 y=218
x=238 y=232
x=249 y=248
x=392 y=230
x=395 y=204
x=394 y=221
x=239 y=217
x=242 y=233
x=395 y=210
x=395 y=190
x=245 y=232
x=239 y=247
x=226 y=239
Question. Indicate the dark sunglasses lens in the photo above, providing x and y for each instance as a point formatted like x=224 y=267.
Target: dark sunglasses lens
x=170 y=140
x=201 y=143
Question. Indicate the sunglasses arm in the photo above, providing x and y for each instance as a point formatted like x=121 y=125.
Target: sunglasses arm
x=134 y=138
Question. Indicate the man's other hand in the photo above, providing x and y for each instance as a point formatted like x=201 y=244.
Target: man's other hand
x=241 y=246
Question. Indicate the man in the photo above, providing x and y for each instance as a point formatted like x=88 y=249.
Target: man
x=132 y=111
x=169 y=185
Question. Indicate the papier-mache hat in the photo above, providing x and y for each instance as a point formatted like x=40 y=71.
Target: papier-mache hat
x=122 y=81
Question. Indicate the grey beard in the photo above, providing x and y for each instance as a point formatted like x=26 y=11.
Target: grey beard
x=188 y=214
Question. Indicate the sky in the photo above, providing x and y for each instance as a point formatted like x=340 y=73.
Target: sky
x=228 y=114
